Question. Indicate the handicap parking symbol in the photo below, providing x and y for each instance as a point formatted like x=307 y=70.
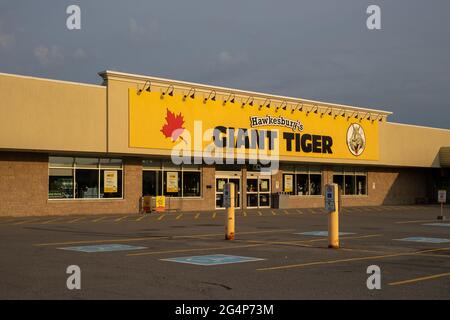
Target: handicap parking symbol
x=425 y=240
x=213 y=259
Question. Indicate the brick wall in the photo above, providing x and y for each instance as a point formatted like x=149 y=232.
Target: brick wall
x=24 y=189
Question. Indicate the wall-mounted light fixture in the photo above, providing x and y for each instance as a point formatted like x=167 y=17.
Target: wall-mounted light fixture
x=264 y=104
x=316 y=109
x=230 y=98
x=189 y=94
x=211 y=96
x=148 y=89
x=248 y=101
x=169 y=91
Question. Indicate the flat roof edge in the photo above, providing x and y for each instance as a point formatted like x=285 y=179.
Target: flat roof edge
x=52 y=80
x=417 y=126
x=136 y=77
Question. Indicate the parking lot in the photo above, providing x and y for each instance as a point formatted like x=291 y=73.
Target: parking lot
x=277 y=254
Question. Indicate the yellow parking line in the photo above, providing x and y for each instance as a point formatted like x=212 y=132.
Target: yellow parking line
x=99 y=219
x=75 y=220
x=214 y=215
x=197 y=215
x=161 y=217
x=140 y=218
x=299 y=212
x=52 y=220
x=273 y=212
x=157 y=238
x=434 y=276
x=120 y=219
x=244 y=213
x=260 y=213
x=26 y=221
x=286 y=212
x=179 y=217
x=398 y=254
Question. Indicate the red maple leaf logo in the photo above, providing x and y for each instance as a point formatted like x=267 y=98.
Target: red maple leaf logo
x=173 y=127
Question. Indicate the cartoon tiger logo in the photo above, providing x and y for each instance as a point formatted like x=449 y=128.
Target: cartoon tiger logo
x=356 y=139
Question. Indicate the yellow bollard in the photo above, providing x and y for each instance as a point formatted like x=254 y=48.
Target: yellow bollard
x=333 y=230
x=228 y=198
x=332 y=206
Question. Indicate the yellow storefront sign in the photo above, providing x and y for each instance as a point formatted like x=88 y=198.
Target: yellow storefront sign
x=160 y=203
x=167 y=122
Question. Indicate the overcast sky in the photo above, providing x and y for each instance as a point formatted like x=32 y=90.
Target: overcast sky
x=314 y=49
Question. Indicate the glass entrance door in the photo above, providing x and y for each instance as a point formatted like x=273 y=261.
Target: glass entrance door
x=258 y=191
x=220 y=183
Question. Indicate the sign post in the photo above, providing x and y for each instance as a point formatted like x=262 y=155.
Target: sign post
x=332 y=207
x=442 y=198
x=228 y=201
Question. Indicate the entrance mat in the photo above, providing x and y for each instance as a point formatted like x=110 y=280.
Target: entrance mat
x=212 y=260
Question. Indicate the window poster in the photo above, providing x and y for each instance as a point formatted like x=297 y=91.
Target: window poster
x=110 y=181
x=288 y=185
x=172 y=181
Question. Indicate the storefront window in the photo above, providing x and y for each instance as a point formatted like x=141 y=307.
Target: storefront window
x=349 y=187
x=361 y=185
x=191 y=184
x=352 y=181
x=165 y=178
x=84 y=178
x=315 y=184
x=303 y=181
x=339 y=180
x=86 y=185
x=60 y=184
x=302 y=184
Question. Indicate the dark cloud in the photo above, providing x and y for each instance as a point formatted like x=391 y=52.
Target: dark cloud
x=311 y=49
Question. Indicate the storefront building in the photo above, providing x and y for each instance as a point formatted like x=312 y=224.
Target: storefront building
x=72 y=148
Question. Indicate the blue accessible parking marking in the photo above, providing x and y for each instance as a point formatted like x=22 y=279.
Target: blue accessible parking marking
x=103 y=248
x=321 y=233
x=212 y=259
x=437 y=224
x=425 y=239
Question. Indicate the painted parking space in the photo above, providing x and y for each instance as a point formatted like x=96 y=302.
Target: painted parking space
x=212 y=259
x=322 y=233
x=425 y=240
x=103 y=248
x=437 y=224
